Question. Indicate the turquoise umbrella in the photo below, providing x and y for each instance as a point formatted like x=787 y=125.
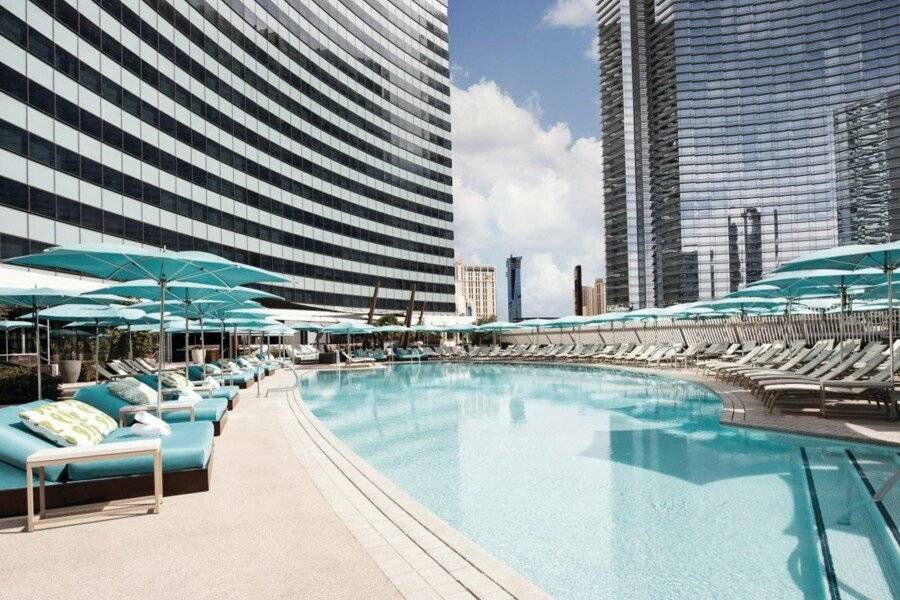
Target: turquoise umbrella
x=303 y=326
x=95 y=313
x=347 y=328
x=884 y=257
x=188 y=292
x=6 y=326
x=121 y=262
x=35 y=298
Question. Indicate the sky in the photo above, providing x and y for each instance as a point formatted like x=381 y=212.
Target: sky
x=527 y=161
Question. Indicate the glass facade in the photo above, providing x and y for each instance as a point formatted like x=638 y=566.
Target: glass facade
x=739 y=134
x=309 y=137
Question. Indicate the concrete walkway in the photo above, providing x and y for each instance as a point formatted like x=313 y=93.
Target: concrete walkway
x=263 y=531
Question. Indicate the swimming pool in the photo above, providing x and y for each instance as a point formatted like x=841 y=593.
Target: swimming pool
x=599 y=483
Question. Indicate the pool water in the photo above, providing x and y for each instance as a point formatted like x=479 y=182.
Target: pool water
x=598 y=483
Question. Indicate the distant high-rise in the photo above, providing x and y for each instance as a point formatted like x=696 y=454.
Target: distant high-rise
x=738 y=135
x=594 y=298
x=514 y=287
x=578 y=292
x=476 y=290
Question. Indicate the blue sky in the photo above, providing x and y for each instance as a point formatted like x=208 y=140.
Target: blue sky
x=510 y=42
x=527 y=164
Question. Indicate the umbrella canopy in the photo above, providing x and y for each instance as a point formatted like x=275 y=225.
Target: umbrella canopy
x=94 y=312
x=571 y=321
x=183 y=291
x=7 y=325
x=742 y=304
x=348 y=328
x=462 y=328
x=279 y=329
x=533 y=323
x=498 y=326
x=392 y=329
x=426 y=328
x=884 y=257
x=34 y=297
x=121 y=262
x=304 y=326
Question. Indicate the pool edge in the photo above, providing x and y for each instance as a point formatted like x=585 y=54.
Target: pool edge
x=394 y=528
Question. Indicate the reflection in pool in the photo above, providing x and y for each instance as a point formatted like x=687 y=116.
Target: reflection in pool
x=609 y=484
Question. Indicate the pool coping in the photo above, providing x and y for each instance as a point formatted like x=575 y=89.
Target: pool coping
x=422 y=555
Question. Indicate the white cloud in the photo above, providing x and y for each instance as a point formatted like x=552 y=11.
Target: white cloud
x=571 y=13
x=521 y=188
x=592 y=52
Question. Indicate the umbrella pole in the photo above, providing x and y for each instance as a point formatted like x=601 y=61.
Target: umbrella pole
x=187 y=355
x=130 y=346
x=202 y=346
x=47 y=323
x=96 y=351
x=890 y=292
x=6 y=339
x=37 y=343
x=161 y=359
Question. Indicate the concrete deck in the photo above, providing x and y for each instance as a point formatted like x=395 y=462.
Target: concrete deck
x=263 y=531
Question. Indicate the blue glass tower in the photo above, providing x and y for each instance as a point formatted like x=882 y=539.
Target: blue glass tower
x=738 y=134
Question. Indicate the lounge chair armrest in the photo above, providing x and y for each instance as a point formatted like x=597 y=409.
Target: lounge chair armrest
x=51 y=456
x=874 y=385
x=133 y=409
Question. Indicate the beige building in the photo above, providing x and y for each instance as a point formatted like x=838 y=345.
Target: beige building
x=476 y=290
x=593 y=297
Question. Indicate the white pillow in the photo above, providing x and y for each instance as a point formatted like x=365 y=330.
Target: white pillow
x=211 y=382
x=189 y=395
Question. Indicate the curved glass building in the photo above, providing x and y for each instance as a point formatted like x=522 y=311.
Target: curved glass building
x=738 y=134
x=309 y=137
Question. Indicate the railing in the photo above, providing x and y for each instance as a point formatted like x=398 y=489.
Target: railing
x=867 y=326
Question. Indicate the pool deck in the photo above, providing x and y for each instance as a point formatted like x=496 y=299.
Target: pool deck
x=291 y=513
x=294 y=513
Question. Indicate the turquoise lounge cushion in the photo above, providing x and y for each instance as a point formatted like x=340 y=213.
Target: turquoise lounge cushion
x=188 y=447
x=17 y=442
x=13 y=478
x=98 y=396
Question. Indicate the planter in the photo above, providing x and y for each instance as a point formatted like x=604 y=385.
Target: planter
x=71 y=369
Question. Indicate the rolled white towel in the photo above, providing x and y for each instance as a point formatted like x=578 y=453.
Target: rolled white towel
x=189 y=395
x=148 y=425
x=211 y=382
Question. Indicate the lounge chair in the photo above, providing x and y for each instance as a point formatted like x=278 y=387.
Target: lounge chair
x=807 y=391
x=809 y=356
x=766 y=362
x=838 y=363
x=213 y=410
x=305 y=354
x=186 y=458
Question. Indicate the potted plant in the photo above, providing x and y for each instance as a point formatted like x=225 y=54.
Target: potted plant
x=70 y=367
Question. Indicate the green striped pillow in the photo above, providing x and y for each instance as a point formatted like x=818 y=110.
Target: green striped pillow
x=68 y=423
x=132 y=391
x=178 y=381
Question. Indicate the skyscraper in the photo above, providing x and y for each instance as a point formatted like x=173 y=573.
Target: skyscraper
x=514 y=287
x=302 y=137
x=738 y=135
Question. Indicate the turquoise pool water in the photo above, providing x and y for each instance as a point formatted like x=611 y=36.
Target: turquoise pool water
x=608 y=484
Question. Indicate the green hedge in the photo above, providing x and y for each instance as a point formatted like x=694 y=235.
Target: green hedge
x=19 y=384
